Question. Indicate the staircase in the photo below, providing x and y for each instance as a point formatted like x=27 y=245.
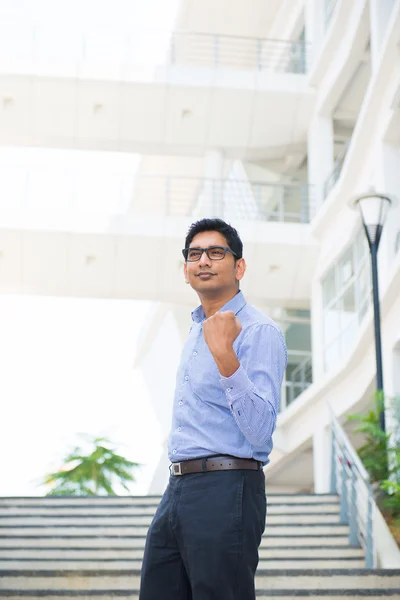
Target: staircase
x=83 y=548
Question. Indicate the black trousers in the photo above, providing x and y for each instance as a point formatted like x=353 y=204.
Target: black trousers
x=203 y=541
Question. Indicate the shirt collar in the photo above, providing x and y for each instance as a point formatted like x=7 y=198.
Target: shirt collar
x=236 y=304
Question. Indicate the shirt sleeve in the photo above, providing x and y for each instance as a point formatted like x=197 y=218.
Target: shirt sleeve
x=253 y=391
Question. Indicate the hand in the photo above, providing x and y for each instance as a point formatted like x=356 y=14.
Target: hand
x=220 y=331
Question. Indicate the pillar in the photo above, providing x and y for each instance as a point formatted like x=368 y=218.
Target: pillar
x=379 y=11
x=210 y=201
x=314 y=27
x=322 y=460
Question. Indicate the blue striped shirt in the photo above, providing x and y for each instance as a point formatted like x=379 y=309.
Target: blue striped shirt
x=233 y=415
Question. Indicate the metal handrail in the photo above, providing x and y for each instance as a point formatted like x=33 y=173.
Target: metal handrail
x=167 y=196
x=120 y=53
x=302 y=368
x=262 y=54
x=351 y=481
x=298 y=380
x=233 y=198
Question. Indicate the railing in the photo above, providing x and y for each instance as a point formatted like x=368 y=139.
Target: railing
x=226 y=198
x=351 y=481
x=105 y=53
x=298 y=379
x=155 y=195
x=202 y=49
x=336 y=171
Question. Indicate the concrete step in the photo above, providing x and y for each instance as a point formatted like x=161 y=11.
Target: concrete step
x=269 y=540
x=99 y=553
x=129 y=564
x=146 y=501
x=266 y=579
x=72 y=512
x=144 y=520
x=133 y=594
x=122 y=511
x=83 y=530
x=68 y=501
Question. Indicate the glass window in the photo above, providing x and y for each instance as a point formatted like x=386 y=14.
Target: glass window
x=298 y=337
x=332 y=355
x=297 y=312
x=346 y=267
x=362 y=310
x=329 y=288
x=364 y=286
x=348 y=305
x=346 y=298
x=348 y=335
x=332 y=322
x=361 y=247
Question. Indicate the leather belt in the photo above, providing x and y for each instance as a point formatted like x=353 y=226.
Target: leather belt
x=214 y=463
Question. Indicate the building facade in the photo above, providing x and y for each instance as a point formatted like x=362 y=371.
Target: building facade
x=271 y=115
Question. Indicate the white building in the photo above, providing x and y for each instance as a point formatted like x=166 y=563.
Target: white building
x=271 y=115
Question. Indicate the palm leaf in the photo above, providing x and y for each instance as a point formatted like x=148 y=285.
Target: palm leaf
x=84 y=474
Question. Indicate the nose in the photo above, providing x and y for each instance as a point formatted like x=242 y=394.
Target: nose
x=204 y=260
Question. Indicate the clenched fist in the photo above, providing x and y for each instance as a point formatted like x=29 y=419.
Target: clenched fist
x=220 y=331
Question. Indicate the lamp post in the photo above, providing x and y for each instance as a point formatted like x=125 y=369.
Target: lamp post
x=373 y=208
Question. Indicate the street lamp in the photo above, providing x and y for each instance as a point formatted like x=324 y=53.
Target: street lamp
x=373 y=208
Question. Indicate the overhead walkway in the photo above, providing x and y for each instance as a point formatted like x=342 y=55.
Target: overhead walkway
x=177 y=93
x=136 y=252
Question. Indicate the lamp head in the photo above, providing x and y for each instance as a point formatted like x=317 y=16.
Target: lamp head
x=373 y=208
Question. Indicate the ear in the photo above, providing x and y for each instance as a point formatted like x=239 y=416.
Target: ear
x=185 y=272
x=240 y=269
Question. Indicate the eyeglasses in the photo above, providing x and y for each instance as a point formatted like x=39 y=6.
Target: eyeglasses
x=213 y=253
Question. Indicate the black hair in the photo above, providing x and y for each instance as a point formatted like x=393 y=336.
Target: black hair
x=230 y=234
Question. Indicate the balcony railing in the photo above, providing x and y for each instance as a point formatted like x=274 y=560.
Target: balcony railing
x=298 y=378
x=226 y=198
x=224 y=51
x=139 y=55
x=154 y=195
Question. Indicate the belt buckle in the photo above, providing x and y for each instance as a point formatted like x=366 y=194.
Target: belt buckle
x=177 y=469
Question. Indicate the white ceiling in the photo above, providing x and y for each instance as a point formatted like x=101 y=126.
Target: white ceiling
x=146 y=262
x=252 y=18
x=263 y=115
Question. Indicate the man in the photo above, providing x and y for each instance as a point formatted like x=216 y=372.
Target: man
x=203 y=541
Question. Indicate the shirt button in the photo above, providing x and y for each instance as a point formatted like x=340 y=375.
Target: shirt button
x=180 y=403
x=173 y=451
x=195 y=353
x=186 y=377
x=179 y=428
x=229 y=389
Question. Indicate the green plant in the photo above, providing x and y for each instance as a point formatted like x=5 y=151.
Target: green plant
x=96 y=472
x=392 y=499
x=374 y=451
x=380 y=454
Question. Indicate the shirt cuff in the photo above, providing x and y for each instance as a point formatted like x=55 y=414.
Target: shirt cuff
x=235 y=385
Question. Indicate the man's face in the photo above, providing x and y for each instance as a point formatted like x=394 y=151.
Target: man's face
x=211 y=277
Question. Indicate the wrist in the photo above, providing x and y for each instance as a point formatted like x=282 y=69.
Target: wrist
x=227 y=362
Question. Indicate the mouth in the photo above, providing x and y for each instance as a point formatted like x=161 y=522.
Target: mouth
x=205 y=276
